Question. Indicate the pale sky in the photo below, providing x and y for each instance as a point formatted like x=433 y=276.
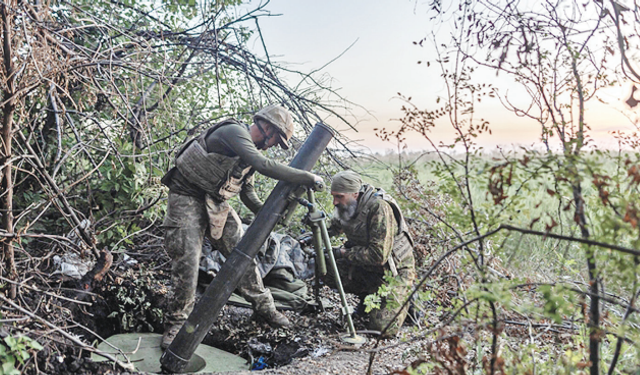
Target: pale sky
x=383 y=61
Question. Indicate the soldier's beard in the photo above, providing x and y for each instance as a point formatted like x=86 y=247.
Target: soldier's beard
x=346 y=212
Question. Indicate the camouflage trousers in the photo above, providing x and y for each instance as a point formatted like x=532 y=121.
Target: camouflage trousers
x=186 y=223
x=363 y=281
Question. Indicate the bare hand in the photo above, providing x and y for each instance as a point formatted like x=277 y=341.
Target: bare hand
x=318 y=184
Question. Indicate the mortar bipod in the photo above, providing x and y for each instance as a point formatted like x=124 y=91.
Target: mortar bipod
x=316 y=220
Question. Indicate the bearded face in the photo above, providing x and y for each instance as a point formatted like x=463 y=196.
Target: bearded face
x=345 y=210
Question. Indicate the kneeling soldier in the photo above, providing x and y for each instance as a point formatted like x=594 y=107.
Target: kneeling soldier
x=378 y=242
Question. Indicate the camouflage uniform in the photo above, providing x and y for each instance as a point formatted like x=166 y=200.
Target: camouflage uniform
x=186 y=224
x=378 y=241
x=200 y=186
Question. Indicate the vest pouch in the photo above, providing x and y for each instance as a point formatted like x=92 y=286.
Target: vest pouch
x=402 y=247
x=233 y=184
x=217 y=212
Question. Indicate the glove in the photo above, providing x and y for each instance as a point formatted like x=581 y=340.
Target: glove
x=337 y=252
x=305 y=239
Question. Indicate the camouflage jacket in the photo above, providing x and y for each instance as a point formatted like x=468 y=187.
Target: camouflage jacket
x=376 y=230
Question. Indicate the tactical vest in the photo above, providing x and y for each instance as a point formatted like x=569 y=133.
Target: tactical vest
x=218 y=175
x=357 y=232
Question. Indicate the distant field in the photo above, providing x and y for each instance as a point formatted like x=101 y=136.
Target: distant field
x=529 y=206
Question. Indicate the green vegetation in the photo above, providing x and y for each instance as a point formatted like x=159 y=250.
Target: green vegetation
x=523 y=271
x=135 y=309
x=14 y=351
x=528 y=260
x=533 y=260
x=97 y=98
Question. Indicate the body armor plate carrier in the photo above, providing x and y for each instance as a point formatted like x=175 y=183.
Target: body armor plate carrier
x=218 y=175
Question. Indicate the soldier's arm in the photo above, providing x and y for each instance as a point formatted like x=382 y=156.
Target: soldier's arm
x=381 y=227
x=239 y=141
x=249 y=197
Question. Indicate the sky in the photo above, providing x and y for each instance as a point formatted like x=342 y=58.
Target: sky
x=371 y=56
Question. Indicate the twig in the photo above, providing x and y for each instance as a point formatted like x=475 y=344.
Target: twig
x=22 y=284
x=77 y=341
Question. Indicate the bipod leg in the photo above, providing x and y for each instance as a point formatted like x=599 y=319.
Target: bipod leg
x=316 y=220
x=316 y=291
x=352 y=337
x=313 y=216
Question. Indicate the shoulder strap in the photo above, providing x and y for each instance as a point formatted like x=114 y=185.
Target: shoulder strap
x=201 y=138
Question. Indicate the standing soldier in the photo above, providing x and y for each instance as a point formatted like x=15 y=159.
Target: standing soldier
x=377 y=242
x=209 y=170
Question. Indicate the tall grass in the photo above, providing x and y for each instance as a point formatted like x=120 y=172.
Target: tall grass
x=530 y=205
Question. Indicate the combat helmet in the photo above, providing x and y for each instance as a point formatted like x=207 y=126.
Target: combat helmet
x=279 y=117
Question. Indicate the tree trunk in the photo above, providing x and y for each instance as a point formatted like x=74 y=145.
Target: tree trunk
x=594 y=287
x=594 y=281
x=8 y=109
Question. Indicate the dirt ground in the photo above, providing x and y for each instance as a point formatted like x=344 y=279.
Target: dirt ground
x=311 y=346
x=339 y=362
x=346 y=360
x=68 y=318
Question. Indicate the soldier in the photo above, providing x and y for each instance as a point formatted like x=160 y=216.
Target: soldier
x=209 y=170
x=377 y=242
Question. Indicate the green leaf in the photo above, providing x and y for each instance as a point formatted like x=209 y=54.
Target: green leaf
x=35 y=345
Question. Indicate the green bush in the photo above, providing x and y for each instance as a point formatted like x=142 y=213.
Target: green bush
x=14 y=351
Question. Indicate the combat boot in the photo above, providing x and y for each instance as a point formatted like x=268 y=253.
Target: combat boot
x=169 y=335
x=275 y=318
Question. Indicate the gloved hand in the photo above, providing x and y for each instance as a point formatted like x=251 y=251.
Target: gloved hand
x=337 y=252
x=306 y=239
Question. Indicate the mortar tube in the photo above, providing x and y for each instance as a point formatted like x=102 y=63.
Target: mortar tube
x=176 y=357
